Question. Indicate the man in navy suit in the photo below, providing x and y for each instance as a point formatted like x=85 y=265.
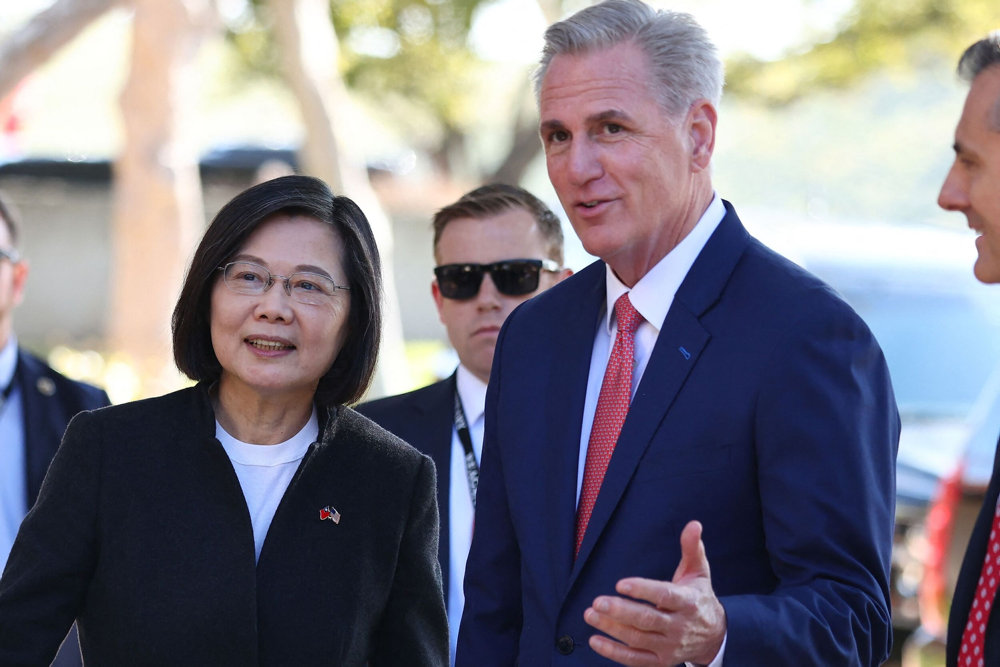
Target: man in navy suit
x=495 y=247
x=973 y=188
x=36 y=404
x=758 y=431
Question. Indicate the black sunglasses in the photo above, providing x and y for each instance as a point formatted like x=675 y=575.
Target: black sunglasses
x=513 y=277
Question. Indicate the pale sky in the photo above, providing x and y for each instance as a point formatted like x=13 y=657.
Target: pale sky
x=512 y=30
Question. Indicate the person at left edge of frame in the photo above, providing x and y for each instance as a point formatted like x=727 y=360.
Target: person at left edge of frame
x=36 y=404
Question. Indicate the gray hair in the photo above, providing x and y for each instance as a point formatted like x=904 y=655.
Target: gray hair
x=984 y=53
x=980 y=56
x=683 y=59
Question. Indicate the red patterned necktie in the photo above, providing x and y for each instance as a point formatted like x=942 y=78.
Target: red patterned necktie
x=973 y=644
x=612 y=406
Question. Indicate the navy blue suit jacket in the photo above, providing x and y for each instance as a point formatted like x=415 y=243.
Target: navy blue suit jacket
x=968 y=579
x=765 y=412
x=49 y=401
x=425 y=419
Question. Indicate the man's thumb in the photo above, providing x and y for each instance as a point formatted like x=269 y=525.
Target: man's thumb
x=694 y=562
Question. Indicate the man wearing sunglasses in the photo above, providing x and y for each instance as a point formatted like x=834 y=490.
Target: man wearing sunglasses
x=36 y=404
x=495 y=247
x=691 y=399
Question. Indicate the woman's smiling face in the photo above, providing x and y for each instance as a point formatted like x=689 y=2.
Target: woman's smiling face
x=270 y=344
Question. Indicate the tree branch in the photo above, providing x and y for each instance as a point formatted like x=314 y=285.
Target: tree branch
x=43 y=35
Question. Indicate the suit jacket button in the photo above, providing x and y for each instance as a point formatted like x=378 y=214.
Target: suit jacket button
x=565 y=644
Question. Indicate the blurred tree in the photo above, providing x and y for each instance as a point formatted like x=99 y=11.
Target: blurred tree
x=874 y=35
x=309 y=52
x=43 y=35
x=524 y=143
x=414 y=52
x=413 y=58
x=157 y=188
x=157 y=213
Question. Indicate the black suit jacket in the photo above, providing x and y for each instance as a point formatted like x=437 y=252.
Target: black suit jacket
x=49 y=401
x=142 y=533
x=425 y=419
x=968 y=578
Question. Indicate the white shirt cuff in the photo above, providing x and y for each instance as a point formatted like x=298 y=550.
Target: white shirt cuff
x=717 y=660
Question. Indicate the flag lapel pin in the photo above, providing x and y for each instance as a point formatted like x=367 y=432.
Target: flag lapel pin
x=329 y=512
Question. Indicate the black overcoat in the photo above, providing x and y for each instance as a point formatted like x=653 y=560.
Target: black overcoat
x=142 y=533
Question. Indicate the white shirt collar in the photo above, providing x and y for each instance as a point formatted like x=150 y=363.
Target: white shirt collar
x=653 y=295
x=8 y=362
x=253 y=454
x=472 y=393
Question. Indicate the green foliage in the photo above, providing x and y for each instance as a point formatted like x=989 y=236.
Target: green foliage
x=414 y=21
x=875 y=35
x=411 y=54
x=431 y=65
x=253 y=43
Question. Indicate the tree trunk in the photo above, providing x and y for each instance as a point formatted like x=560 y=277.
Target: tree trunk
x=309 y=50
x=43 y=35
x=157 y=207
x=524 y=145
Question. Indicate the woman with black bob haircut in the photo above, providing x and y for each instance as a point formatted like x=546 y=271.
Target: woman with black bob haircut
x=349 y=377
x=254 y=518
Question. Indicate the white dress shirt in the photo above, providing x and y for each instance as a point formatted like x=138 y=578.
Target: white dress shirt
x=472 y=393
x=652 y=297
x=13 y=465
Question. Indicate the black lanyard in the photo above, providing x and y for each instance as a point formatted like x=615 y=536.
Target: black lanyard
x=471 y=467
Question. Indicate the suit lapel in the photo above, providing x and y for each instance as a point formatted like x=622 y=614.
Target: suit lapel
x=41 y=434
x=678 y=347
x=677 y=350
x=439 y=420
x=572 y=322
